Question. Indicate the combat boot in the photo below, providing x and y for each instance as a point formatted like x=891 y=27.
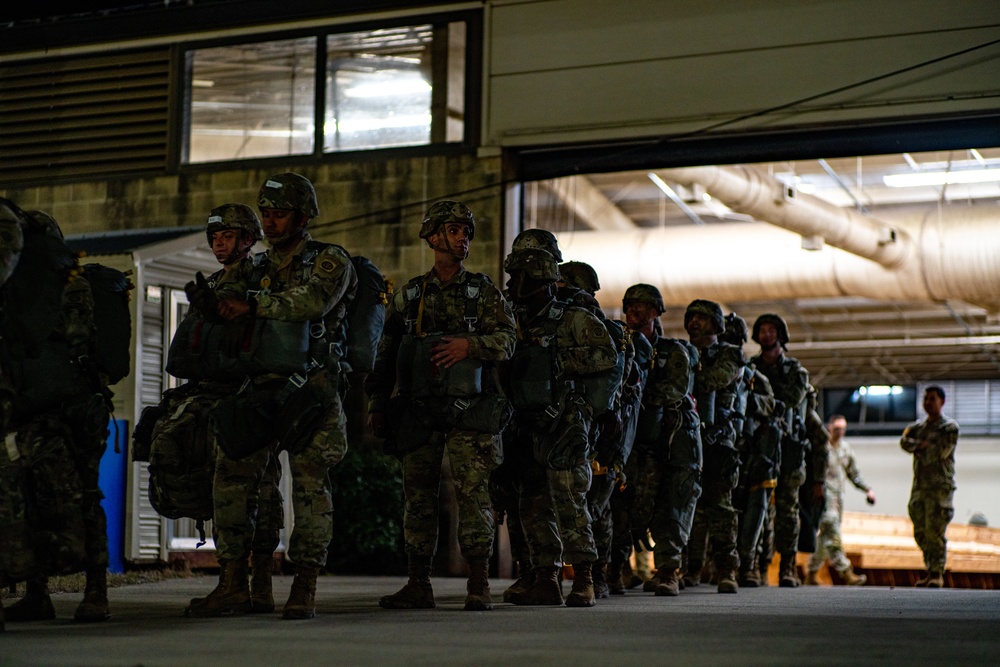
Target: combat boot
x=932 y=580
x=582 y=594
x=615 y=578
x=600 y=577
x=301 y=603
x=94 y=606
x=231 y=596
x=261 y=594
x=669 y=585
x=545 y=590
x=416 y=594
x=651 y=584
x=525 y=578
x=786 y=573
x=812 y=578
x=750 y=579
x=849 y=577
x=727 y=582
x=692 y=578
x=36 y=605
x=478 y=587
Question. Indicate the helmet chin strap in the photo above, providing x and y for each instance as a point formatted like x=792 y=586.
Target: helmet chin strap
x=450 y=250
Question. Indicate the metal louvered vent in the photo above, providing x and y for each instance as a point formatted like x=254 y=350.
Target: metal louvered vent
x=84 y=116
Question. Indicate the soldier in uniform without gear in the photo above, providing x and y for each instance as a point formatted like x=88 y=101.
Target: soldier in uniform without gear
x=720 y=367
x=301 y=281
x=932 y=442
x=450 y=323
x=558 y=347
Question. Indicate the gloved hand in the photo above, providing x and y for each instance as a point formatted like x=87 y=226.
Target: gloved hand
x=203 y=298
x=234 y=335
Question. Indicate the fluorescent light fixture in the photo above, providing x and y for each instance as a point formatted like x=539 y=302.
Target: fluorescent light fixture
x=371 y=124
x=395 y=87
x=880 y=390
x=927 y=178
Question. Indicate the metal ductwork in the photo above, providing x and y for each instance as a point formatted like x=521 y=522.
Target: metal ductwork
x=747 y=190
x=954 y=254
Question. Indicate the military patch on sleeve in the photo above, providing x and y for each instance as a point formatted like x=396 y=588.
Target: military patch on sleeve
x=326 y=265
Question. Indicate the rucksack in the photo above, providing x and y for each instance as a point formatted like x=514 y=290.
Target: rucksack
x=110 y=288
x=366 y=315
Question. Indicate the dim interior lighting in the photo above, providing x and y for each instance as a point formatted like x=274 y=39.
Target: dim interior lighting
x=880 y=390
x=926 y=178
x=395 y=86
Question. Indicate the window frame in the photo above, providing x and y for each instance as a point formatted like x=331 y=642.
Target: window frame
x=179 y=132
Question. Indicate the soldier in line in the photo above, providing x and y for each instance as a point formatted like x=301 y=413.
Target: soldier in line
x=558 y=348
x=433 y=393
x=932 y=442
x=664 y=470
x=73 y=418
x=719 y=368
x=298 y=280
x=790 y=383
x=812 y=495
x=840 y=469
x=232 y=230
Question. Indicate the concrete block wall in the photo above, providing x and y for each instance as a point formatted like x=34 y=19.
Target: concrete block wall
x=371 y=207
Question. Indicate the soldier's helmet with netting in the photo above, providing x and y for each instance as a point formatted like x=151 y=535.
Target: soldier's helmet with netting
x=535 y=262
x=736 y=332
x=289 y=191
x=234 y=216
x=445 y=212
x=709 y=309
x=645 y=294
x=47 y=223
x=580 y=275
x=779 y=324
x=537 y=238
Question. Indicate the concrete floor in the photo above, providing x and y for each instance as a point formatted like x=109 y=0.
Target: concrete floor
x=769 y=626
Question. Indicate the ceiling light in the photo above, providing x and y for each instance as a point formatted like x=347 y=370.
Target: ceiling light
x=927 y=178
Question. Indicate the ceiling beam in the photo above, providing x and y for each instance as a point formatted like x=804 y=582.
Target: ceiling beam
x=590 y=204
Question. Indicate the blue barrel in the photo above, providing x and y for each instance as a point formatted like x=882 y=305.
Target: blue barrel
x=112 y=481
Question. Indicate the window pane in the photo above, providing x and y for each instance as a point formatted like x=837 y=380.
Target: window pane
x=252 y=100
x=378 y=89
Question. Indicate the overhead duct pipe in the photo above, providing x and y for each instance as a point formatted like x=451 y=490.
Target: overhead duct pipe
x=748 y=190
x=956 y=255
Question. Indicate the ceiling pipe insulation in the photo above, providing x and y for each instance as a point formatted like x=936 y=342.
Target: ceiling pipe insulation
x=953 y=253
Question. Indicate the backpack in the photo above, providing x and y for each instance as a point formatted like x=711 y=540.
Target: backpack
x=110 y=288
x=366 y=315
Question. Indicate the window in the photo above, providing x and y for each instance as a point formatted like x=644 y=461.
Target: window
x=382 y=88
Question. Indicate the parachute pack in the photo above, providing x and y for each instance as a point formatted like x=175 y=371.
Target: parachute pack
x=110 y=288
x=366 y=315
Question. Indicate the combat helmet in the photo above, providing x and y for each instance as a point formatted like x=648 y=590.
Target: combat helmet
x=777 y=321
x=736 y=331
x=645 y=293
x=289 y=191
x=709 y=309
x=537 y=238
x=580 y=275
x=537 y=263
x=234 y=216
x=444 y=212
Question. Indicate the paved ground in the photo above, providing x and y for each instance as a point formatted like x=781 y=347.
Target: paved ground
x=770 y=626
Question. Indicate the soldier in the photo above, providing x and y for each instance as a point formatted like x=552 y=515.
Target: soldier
x=434 y=381
x=232 y=230
x=613 y=432
x=812 y=495
x=560 y=349
x=664 y=470
x=720 y=366
x=932 y=442
x=298 y=280
x=72 y=417
x=790 y=383
x=841 y=468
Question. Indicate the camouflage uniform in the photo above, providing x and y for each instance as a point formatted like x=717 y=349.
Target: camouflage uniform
x=933 y=488
x=811 y=509
x=719 y=369
x=286 y=294
x=840 y=468
x=472 y=455
x=790 y=383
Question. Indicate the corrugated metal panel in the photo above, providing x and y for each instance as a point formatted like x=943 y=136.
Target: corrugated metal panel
x=84 y=116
